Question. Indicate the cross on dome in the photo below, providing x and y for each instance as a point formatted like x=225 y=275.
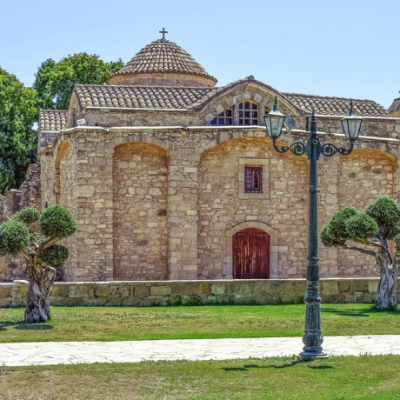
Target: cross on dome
x=163 y=32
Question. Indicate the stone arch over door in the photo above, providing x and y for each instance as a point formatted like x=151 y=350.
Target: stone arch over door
x=273 y=241
x=140 y=234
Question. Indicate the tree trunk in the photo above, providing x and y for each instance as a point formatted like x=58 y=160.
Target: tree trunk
x=386 y=298
x=41 y=280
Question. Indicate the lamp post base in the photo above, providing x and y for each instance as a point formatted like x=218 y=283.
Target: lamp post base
x=309 y=356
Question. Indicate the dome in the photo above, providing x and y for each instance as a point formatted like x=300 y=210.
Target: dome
x=163 y=63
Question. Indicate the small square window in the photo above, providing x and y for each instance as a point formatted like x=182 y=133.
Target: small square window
x=253 y=179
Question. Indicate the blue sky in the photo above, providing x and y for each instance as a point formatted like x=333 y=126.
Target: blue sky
x=338 y=48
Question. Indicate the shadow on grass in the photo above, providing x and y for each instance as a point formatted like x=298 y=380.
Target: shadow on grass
x=358 y=312
x=24 y=327
x=248 y=367
x=347 y=313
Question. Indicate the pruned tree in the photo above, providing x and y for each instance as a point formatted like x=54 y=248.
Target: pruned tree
x=41 y=251
x=374 y=228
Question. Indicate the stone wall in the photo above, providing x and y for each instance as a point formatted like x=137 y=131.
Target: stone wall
x=202 y=189
x=162 y=79
x=203 y=202
x=140 y=212
x=281 y=208
x=273 y=291
x=14 y=200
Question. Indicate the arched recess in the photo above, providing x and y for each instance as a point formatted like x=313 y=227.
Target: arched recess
x=140 y=233
x=365 y=175
x=64 y=185
x=273 y=250
x=223 y=202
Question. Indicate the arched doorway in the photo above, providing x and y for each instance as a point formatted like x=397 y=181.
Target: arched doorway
x=251 y=254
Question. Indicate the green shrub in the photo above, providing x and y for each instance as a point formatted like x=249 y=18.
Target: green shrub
x=337 y=225
x=328 y=239
x=57 y=221
x=27 y=216
x=386 y=212
x=55 y=256
x=361 y=226
x=14 y=237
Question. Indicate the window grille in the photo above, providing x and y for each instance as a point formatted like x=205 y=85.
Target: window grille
x=253 y=179
x=225 y=118
x=248 y=113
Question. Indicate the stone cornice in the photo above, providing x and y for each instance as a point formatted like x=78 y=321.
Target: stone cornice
x=260 y=129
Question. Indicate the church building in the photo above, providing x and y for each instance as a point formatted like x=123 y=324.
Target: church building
x=171 y=177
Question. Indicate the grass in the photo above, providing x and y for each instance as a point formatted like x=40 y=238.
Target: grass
x=130 y=323
x=338 y=378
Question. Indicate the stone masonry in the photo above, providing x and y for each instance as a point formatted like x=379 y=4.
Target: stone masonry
x=169 y=293
x=153 y=169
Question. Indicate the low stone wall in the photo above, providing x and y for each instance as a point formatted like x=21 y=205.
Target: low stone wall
x=165 y=293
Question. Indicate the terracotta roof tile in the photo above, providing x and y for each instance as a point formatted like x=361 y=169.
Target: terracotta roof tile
x=324 y=105
x=163 y=56
x=131 y=97
x=191 y=98
x=52 y=120
x=395 y=105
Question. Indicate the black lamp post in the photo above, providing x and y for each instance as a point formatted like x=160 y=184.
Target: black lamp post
x=351 y=125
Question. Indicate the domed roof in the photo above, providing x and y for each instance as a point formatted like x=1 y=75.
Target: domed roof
x=163 y=57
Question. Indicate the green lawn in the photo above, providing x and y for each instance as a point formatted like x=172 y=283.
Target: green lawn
x=352 y=378
x=130 y=323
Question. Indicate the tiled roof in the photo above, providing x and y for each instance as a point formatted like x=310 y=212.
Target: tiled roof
x=395 y=105
x=163 y=56
x=335 y=105
x=52 y=120
x=165 y=97
x=131 y=97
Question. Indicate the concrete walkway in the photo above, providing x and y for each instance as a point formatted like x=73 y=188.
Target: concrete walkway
x=22 y=354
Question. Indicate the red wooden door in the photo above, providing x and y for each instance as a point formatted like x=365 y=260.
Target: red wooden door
x=251 y=254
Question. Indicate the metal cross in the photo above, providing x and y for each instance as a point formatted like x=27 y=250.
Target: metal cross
x=163 y=32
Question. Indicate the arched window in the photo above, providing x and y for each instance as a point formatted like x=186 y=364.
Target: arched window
x=225 y=118
x=248 y=113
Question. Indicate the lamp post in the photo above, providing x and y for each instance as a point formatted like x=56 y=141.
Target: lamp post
x=313 y=148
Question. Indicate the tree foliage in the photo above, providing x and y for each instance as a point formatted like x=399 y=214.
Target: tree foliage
x=17 y=236
x=57 y=221
x=14 y=237
x=379 y=221
x=55 y=256
x=372 y=228
x=55 y=81
x=335 y=233
x=386 y=213
x=18 y=112
x=27 y=216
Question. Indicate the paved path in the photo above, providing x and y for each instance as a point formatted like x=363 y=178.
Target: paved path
x=19 y=354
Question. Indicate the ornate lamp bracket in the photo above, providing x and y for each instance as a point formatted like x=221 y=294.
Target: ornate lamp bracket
x=329 y=149
x=300 y=148
x=297 y=148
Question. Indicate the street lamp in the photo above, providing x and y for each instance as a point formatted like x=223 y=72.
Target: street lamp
x=351 y=125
